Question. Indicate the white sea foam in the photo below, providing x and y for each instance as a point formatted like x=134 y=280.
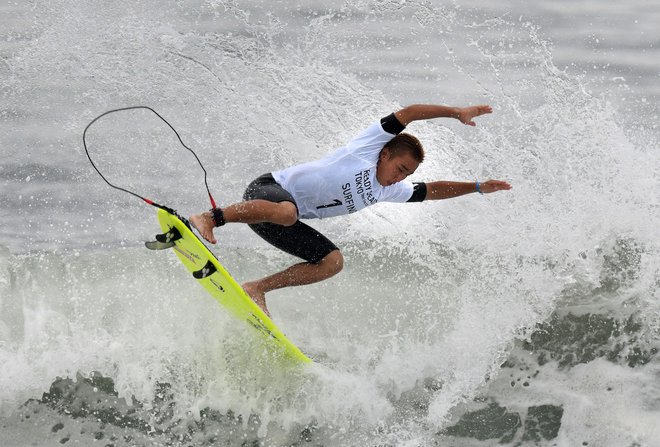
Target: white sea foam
x=434 y=297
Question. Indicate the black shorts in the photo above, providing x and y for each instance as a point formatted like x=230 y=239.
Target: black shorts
x=299 y=239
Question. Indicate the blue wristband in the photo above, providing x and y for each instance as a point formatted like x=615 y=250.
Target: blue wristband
x=478 y=189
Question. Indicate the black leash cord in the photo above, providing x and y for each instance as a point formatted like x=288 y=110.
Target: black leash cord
x=150 y=202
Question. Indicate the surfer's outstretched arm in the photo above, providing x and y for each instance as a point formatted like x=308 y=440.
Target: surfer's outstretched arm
x=418 y=112
x=446 y=190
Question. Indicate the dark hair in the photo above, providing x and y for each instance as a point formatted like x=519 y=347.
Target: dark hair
x=405 y=143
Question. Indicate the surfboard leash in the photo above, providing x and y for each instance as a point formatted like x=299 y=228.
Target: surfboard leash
x=148 y=201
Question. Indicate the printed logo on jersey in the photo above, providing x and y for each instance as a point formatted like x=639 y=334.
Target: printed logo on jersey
x=348 y=198
x=363 y=187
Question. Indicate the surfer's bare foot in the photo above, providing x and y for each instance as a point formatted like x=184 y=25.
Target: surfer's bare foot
x=257 y=295
x=205 y=225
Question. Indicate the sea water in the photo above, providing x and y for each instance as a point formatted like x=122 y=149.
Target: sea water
x=527 y=317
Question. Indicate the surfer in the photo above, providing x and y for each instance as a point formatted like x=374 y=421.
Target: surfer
x=371 y=168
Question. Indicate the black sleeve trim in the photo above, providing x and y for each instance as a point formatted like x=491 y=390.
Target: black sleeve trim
x=391 y=124
x=419 y=192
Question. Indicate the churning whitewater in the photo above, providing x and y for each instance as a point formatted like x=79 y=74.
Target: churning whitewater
x=526 y=318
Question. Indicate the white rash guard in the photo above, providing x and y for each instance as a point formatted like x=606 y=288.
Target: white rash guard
x=344 y=181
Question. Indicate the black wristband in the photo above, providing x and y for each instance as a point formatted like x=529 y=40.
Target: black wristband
x=391 y=124
x=419 y=192
x=218 y=217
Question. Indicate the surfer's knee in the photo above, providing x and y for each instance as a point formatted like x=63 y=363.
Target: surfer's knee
x=287 y=213
x=333 y=262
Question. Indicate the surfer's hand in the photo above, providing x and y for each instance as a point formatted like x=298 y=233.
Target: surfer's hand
x=493 y=185
x=465 y=114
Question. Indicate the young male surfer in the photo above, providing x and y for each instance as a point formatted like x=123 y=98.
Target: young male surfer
x=371 y=168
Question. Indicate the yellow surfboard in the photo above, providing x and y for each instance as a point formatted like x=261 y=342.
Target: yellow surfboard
x=214 y=278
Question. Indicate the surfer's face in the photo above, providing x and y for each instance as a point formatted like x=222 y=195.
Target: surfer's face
x=392 y=169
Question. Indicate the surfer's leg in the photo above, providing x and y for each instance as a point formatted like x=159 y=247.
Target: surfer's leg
x=264 y=201
x=323 y=258
x=250 y=212
x=296 y=275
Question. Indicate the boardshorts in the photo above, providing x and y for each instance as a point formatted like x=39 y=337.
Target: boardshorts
x=299 y=239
